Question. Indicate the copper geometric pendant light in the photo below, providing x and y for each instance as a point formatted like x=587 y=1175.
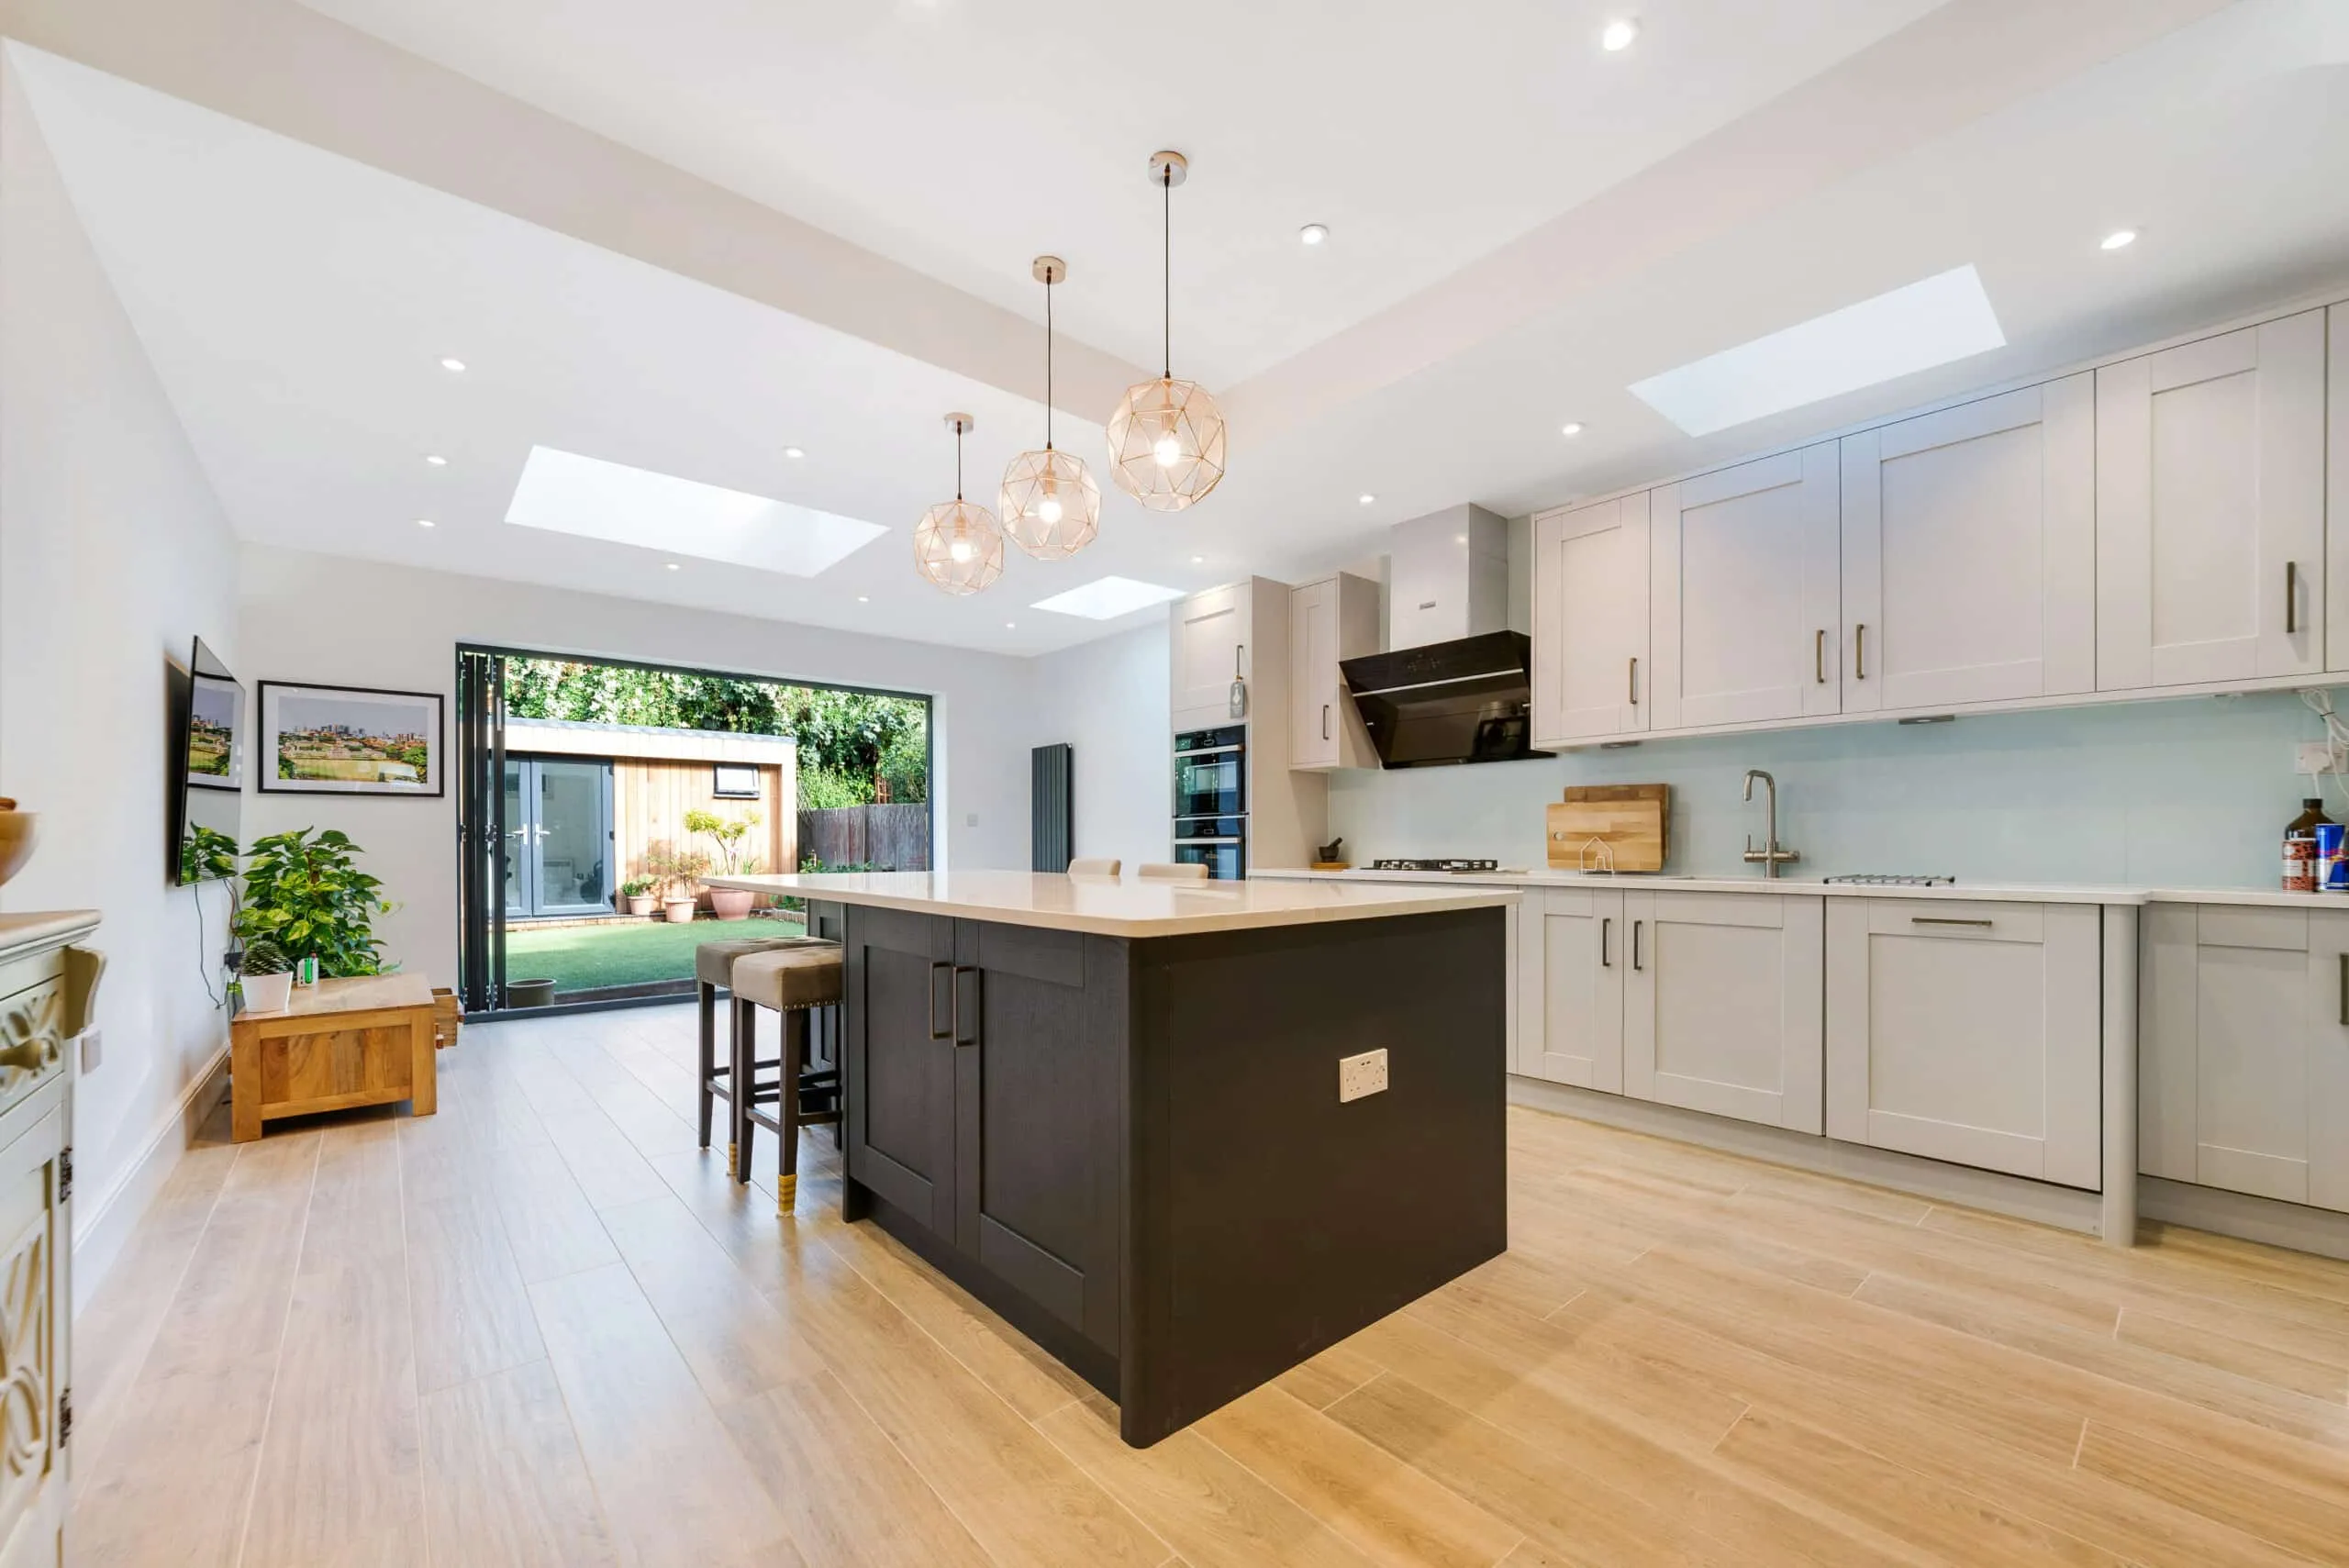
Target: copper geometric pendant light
x=957 y=544
x=1166 y=439
x=1051 y=507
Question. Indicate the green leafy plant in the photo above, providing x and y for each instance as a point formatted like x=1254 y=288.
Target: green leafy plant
x=208 y=854
x=637 y=887
x=671 y=865
x=263 y=956
x=820 y=789
x=305 y=893
x=725 y=832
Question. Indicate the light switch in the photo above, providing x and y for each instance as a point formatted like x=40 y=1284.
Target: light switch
x=93 y=1050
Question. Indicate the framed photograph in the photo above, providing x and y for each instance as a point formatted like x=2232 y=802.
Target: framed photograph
x=350 y=740
x=735 y=781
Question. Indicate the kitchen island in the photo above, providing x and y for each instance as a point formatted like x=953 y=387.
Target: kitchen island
x=1111 y=1109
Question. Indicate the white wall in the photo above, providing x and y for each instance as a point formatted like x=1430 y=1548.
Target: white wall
x=1112 y=701
x=2188 y=793
x=114 y=553
x=333 y=621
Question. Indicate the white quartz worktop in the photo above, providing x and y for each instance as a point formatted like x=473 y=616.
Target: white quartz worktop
x=1988 y=892
x=1124 y=908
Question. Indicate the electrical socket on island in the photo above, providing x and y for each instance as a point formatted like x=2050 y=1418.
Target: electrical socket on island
x=1361 y=1076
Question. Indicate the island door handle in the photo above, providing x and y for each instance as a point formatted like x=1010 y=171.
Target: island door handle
x=960 y=1038
x=935 y=1032
x=1636 y=960
x=1606 y=929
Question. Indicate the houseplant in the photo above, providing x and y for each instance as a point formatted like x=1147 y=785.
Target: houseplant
x=305 y=893
x=727 y=833
x=642 y=894
x=676 y=871
x=266 y=976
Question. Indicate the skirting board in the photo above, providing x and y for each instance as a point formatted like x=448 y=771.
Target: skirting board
x=2013 y=1195
x=2303 y=1230
x=108 y=1222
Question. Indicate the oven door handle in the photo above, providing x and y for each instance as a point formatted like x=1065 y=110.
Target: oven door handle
x=1209 y=752
x=1179 y=842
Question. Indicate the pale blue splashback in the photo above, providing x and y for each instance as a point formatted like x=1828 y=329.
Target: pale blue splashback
x=2191 y=792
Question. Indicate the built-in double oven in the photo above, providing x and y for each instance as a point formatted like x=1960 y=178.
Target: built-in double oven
x=1211 y=801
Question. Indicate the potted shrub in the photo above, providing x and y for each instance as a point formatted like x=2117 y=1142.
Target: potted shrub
x=305 y=894
x=677 y=871
x=727 y=833
x=266 y=976
x=641 y=893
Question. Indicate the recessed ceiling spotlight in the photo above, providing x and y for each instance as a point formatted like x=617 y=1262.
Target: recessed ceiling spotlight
x=437 y=461
x=1617 y=35
x=1011 y=626
x=1571 y=428
x=1313 y=233
x=675 y=567
x=2119 y=239
x=423 y=522
x=864 y=598
x=453 y=366
x=793 y=454
x=1198 y=561
x=1366 y=499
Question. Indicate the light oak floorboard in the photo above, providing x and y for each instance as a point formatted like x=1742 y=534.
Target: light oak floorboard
x=542 y=1328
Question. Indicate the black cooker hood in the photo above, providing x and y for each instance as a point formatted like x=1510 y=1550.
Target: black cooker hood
x=1465 y=701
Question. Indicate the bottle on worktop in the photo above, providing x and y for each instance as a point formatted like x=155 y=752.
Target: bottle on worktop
x=2299 y=846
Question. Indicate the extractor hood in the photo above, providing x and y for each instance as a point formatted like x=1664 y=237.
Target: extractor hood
x=1468 y=700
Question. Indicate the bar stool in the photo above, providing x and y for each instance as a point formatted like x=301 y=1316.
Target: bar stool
x=1094 y=868
x=1188 y=872
x=797 y=979
x=713 y=971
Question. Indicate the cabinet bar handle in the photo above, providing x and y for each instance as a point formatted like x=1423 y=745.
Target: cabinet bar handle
x=1860 y=652
x=1819 y=657
x=1634 y=681
x=1635 y=944
x=2291 y=598
x=1325 y=721
x=955 y=986
x=935 y=1032
x=1606 y=929
x=1951 y=921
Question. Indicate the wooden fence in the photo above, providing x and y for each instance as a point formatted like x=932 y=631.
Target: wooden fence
x=891 y=837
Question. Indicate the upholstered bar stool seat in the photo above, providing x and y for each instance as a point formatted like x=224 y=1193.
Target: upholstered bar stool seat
x=797 y=978
x=713 y=972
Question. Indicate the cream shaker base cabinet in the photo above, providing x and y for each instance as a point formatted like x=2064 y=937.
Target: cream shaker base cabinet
x=1968 y=1033
x=1721 y=1005
x=1570 y=966
x=2243 y=1070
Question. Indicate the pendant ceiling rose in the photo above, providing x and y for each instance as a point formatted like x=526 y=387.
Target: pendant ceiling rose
x=957 y=544
x=1050 y=503
x=1166 y=438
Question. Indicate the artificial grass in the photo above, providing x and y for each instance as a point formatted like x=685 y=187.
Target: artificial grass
x=621 y=953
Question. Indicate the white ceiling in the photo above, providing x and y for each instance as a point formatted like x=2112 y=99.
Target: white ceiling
x=295 y=301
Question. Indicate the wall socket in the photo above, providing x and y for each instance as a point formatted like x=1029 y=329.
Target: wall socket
x=1361 y=1075
x=2316 y=757
x=93 y=1050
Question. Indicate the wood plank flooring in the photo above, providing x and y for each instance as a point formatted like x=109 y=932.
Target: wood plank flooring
x=541 y=1328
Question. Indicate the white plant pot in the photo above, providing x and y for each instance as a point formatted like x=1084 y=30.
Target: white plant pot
x=268 y=992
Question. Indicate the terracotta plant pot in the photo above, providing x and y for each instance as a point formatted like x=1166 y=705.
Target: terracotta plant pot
x=643 y=904
x=678 y=911
x=731 y=903
x=268 y=992
x=15 y=838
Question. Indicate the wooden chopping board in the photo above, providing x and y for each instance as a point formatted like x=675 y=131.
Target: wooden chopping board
x=1633 y=821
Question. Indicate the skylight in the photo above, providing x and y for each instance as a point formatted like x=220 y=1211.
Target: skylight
x=564 y=492
x=1944 y=317
x=1107 y=598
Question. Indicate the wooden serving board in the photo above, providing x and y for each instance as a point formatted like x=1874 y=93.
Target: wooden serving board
x=1634 y=821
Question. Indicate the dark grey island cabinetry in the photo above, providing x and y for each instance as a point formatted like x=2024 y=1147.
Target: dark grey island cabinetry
x=1111 y=1111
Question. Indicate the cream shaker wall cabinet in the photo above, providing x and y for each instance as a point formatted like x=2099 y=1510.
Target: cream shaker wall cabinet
x=1334 y=618
x=1591 y=672
x=2210 y=472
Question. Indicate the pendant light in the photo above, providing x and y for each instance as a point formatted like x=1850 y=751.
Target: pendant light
x=1051 y=507
x=1166 y=438
x=957 y=544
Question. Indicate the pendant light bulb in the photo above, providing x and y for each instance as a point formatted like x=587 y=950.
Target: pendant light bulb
x=1167 y=438
x=957 y=544
x=1051 y=505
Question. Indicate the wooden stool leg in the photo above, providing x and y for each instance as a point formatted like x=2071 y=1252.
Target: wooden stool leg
x=742 y=1086
x=708 y=995
x=786 y=1109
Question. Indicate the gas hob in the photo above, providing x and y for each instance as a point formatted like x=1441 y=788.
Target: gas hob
x=1457 y=868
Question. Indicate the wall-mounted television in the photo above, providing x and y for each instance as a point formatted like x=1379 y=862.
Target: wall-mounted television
x=209 y=732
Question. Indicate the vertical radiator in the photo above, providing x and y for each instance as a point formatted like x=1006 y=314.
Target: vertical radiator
x=1053 y=807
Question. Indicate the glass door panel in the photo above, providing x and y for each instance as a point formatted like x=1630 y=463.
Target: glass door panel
x=559 y=827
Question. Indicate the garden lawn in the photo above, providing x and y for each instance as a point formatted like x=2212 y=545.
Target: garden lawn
x=621 y=953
